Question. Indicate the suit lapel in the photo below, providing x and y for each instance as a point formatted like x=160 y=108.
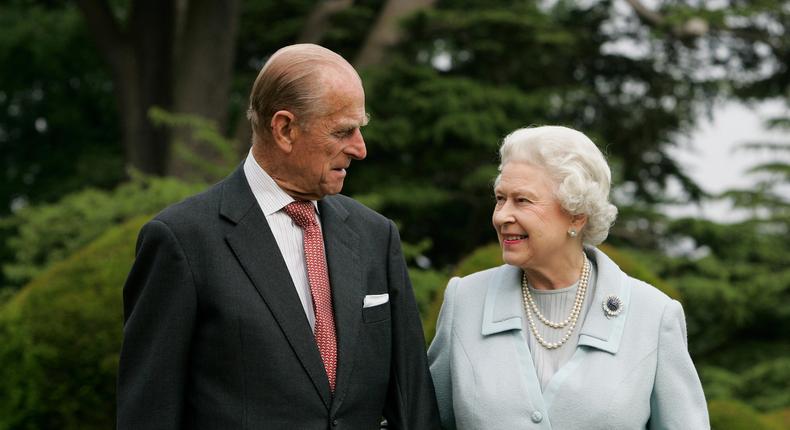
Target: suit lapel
x=341 y=243
x=254 y=246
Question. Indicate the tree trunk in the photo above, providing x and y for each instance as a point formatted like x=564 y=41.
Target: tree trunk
x=386 y=30
x=151 y=31
x=141 y=62
x=151 y=67
x=204 y=71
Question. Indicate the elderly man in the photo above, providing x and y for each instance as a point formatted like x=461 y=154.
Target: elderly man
x=268 y=301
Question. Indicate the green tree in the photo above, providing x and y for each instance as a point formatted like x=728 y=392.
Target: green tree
x=58 y=124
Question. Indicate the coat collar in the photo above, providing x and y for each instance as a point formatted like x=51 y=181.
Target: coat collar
x=598 y=331
x=503 y=308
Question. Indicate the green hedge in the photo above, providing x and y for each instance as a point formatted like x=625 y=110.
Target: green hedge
x=734 y=415
x=60 y=337
x=45 y=234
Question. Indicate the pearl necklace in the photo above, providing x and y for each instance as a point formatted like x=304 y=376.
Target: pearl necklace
x=573 y=317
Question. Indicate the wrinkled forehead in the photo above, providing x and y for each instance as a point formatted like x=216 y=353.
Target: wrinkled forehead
x=518 y=173
x=344 y=99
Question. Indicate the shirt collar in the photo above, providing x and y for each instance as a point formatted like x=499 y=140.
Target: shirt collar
x=271 y=198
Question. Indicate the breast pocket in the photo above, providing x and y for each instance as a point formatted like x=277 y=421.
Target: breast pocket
x=376 y=313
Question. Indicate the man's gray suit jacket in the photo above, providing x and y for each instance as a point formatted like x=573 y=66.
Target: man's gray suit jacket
x=215 y=336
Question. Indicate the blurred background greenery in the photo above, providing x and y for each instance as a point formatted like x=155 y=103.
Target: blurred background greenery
x=111 y=110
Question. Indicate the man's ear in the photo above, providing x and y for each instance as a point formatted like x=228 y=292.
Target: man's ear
x=284 y=130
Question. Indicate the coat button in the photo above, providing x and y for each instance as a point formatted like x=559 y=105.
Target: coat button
x=334 y=423
x=537 y=417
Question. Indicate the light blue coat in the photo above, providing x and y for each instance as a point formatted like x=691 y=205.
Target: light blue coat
x=632 y=371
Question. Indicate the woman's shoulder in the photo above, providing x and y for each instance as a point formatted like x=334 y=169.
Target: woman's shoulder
x=640 y=291
x=643 y=292
x=474 y=286
x=482 y=279
x=646 y=302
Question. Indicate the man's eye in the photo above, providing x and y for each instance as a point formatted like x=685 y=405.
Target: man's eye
x=345 y=133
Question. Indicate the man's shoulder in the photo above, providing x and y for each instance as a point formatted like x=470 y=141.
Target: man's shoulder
x=196 y=209
x=356 y=208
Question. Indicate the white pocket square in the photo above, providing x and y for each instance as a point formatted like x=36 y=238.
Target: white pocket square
x=375 y=300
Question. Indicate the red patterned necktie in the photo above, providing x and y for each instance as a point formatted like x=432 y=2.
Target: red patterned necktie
x=303 y=214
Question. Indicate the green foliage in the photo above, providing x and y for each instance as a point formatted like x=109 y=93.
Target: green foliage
x=482 y=258
x=432 y=156
x=59 y=129
x=636 y=267
x=735 y=282
x=45 y=234
x=760 y=382
x=60 y=337
x=212 y=157
x=428 y=286
x=733 y=415
x=768 y=198
x=779 y=419
x=467 y=73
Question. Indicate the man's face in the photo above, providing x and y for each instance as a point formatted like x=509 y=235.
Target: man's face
x=324 y=147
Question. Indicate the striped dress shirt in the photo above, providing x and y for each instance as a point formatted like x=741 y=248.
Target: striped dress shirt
x=272 y=199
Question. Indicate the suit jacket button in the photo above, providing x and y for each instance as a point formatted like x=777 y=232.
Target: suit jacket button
x=537 y=417
x=334 y=423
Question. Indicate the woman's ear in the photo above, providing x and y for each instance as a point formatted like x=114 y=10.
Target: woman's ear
x=284 y=130
x=578 y=221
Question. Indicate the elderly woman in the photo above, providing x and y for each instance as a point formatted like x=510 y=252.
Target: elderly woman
x=559 y=337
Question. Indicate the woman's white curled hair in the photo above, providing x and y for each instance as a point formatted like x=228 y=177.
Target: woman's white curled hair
x=576 y=166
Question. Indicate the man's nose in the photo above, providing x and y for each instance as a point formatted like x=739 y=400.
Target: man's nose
x=356 y=148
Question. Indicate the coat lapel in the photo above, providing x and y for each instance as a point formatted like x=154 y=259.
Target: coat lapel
x=341 y=243
x=599 y=331
x=254 y=246
x=502 y=310
x=502 y=313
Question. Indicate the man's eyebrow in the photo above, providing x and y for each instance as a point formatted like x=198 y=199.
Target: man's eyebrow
x=350 y=123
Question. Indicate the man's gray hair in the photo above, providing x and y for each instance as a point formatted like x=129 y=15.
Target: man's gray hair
x=577 y=168
x=293 y=79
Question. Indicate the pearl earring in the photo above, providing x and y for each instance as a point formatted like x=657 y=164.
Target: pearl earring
x=572 y=233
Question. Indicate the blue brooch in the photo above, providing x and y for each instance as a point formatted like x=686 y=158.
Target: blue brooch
x=612 y=306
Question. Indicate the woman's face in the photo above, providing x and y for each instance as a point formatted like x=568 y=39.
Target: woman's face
x=529 y=221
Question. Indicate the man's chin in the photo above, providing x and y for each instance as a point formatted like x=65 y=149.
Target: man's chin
x=332 y=192
x=332 y=189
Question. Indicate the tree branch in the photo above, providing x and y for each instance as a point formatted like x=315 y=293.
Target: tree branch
x=386 y=31
x=651 y=17
x=318 y=21
x=692 y=28
x=106 y=32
